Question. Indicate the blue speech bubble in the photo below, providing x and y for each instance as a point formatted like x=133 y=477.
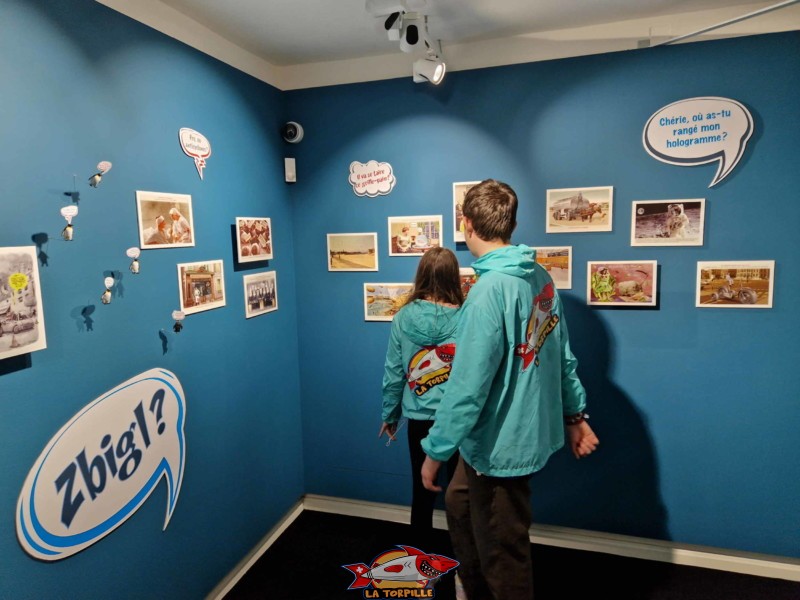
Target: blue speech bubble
x=697 y=131
x=102 y=465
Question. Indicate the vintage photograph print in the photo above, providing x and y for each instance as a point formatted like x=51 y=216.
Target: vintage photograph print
x=260 y=294
x=201 y=285
x=165 y=220
x=468 y=279
x=668 y=222
x=413 y=236
x=21 y=317
x=253 y=239
x=621 y=283
x=580 y=210
x=383 y=300
x=735 y=284
x=352 y=252
x=460 y=190
x=558 y=262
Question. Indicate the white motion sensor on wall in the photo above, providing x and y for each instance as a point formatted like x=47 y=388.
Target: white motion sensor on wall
x=292 y=132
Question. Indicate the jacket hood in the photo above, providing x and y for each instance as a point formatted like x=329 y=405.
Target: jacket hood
x=518 y=261
x=426 y=323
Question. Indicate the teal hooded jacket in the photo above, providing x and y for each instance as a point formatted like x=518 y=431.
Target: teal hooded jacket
x=514 y=376
x=418 y=360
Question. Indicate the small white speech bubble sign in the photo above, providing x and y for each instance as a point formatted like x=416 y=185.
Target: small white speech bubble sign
x=196 y=145
x=178 y=315
x=109 y=282
x=68 y=212
x=697 y=131
x=371 y=179
x=133 y=252
x=102 y=465
x=104 y=166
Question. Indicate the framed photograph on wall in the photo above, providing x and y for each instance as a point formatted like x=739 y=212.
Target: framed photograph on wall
x=668 y=222
x=735 y=284
x=165 y=220
x=468 y=279
x=352 y=251
x=383 y=300
x=621 y=283
x=253 y=239
x=260 y=294
x=460 y=190
x=413 y=236
x=557 y=260
x=579 y=210
x=201 y=286
x=21 y=316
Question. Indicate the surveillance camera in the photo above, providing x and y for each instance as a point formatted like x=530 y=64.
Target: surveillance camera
x=292 y=132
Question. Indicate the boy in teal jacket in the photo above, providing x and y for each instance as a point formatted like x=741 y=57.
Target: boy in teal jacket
x=513 y=391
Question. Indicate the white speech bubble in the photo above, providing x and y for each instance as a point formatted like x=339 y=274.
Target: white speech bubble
x=178 y=315
x=68 y=212
x=104 y=166
x=102 y=465
x=109 y=282
x=697 y=131
x=371 y=179
x=196 y=145
x=133 y=252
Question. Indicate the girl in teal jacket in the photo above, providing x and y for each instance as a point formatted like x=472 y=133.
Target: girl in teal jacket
x=421 y=350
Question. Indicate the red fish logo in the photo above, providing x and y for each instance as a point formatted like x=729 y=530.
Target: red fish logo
x=408 y=567
x=540 y=324
x=429 y=367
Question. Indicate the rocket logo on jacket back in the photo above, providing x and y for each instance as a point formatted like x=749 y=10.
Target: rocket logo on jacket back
x=430 y=367
x=540 y=324
x=404 y=573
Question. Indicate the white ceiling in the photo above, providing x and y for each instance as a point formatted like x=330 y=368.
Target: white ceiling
x=304 y=43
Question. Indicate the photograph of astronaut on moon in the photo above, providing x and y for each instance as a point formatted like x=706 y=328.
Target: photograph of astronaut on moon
x=668 y=222
x=621 y=283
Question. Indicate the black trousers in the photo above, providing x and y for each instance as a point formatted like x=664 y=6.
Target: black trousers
x=422 y=500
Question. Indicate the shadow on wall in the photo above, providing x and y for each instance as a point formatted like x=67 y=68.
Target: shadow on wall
x=616 y=489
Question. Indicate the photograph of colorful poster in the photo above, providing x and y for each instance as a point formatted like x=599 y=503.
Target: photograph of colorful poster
x=413 y=236
x=579 y=210
x=468 y=279
x=201 y=285
x=558 y=262
x=621 y=283
x=460 y=190
x=383 y=300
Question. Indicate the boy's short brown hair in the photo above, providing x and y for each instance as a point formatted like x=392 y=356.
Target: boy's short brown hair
x=492 y=207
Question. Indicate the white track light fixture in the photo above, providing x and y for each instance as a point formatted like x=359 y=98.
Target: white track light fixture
x=429 y=69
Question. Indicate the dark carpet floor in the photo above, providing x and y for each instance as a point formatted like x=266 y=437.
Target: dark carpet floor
x=305 y=563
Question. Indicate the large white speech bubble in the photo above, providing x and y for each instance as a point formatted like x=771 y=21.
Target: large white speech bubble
x=697 y=131
x=196 y=145
x=371 y=179
x=102 y=465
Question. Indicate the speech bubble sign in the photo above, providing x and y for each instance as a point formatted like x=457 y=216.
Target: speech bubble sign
x=178 y=315
x=109 y=282
x=102 y=465
x=18 y=281
x=371 y=179
x=697 y=131
x=104 y=166
x=133 y=252
x=68 y=212
x=196 y=145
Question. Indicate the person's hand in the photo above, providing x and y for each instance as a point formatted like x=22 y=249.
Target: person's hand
x=430 y=471
x=389 y=429
x=582 y=439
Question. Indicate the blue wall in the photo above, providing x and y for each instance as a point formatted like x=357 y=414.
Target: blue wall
x=696 y=409
x=81 y=83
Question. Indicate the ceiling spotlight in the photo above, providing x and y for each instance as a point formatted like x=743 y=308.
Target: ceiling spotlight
x=429 y=69
x=414 y=32
x=393 y=25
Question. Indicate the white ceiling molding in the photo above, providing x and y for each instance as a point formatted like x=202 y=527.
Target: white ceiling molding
x=563 y=43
